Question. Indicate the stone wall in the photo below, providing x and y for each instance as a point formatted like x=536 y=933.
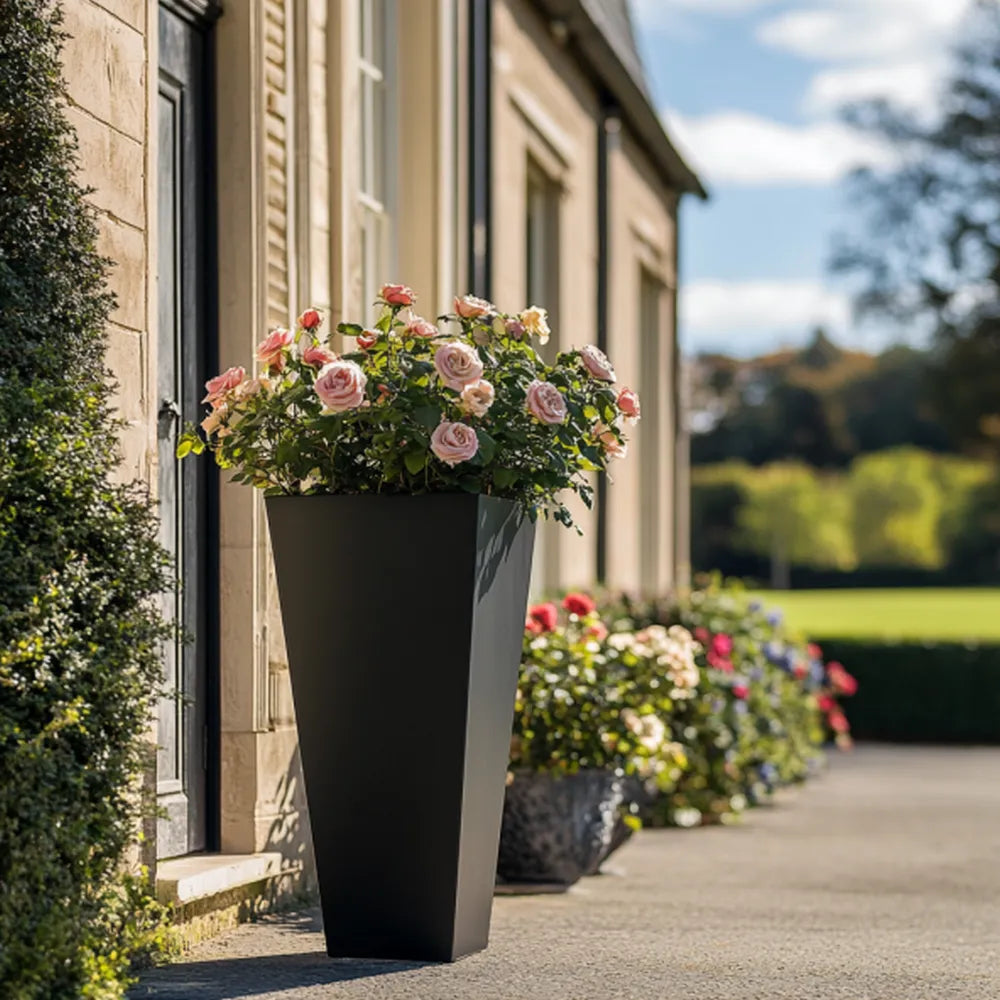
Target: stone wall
x=110 y=106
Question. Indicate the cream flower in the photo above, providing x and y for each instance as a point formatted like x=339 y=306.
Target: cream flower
x=535 y=321
x=477 y=398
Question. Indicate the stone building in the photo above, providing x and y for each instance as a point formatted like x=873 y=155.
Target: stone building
x=253 y=157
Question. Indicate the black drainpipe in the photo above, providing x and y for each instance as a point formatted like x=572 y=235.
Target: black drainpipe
x=607 y=124
x=480 y=127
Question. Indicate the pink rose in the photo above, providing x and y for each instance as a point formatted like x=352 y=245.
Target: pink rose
x=271 y=350
x=515 y=329
x=368 y=339
x=454 y=442
x=596 y=362
x=419 y=327
x=317 y=355
x=628 y=403
x=458 y=365
x=397 y=295
x=613 y=448
x=217 y=387
x=310 y=319
x=341 y=386
x=478 y=397
x=546 y=403
x=470 y=307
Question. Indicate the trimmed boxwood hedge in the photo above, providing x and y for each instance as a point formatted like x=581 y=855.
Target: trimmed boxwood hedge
x=945 y=692
x=80 y=567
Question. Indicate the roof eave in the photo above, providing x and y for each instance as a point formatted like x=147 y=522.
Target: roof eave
x=632 y=102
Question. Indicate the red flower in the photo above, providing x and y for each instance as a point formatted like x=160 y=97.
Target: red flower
x=722 y=644
x=546 y=616
x=598 y=631
x=741 y=691
x=530 y=625
x=578 y=604
x=717 y=662
x=826 y=703
x=310 y=319
x=367 y=339
x=800 y=670
x=841 y=681
x=838 y=721
x=814 y=651
x=701 y=633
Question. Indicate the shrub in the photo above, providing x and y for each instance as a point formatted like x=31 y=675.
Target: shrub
x=80 y=567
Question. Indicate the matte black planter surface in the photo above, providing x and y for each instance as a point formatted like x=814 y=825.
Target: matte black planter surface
x=403 y=621
x=556 y=828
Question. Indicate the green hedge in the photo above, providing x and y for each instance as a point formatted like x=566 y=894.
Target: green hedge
x=80 y=566
x=921 y=692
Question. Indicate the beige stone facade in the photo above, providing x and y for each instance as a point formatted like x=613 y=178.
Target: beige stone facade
x=291 y=202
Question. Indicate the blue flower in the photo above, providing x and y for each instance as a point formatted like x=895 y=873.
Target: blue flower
x=774 y=618
x=754 y=606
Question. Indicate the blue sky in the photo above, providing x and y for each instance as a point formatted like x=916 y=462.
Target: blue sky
x=750 y=91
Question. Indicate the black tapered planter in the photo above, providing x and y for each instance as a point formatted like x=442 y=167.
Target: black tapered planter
x=403 y=617
x=556 y=828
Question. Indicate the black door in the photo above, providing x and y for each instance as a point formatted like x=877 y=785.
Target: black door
x=188 y=727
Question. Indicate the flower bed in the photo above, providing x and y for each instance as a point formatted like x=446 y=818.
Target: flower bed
x=706 y=703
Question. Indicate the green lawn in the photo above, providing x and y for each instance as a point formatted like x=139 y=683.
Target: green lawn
x=956 y=613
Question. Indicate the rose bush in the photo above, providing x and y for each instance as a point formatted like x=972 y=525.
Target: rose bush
x=414 y=406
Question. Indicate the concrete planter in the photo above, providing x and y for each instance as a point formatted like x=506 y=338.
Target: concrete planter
x=556 y=828
x=403 y=617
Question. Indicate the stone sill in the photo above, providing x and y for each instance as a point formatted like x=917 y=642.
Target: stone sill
x=197 y=876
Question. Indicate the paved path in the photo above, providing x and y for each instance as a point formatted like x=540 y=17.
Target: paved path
x=880 y=881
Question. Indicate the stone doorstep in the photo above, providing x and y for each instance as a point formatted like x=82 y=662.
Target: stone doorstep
x=199 y=876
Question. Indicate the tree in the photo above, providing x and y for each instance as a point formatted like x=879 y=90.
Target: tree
x=929 y=253
x=797 y=518
x=897 y=507
x=80 y=568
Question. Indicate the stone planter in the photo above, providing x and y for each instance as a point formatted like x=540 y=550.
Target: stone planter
x=403 y=618
x=556 y=828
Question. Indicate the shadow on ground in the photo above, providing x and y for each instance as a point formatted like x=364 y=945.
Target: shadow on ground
x=223 y=978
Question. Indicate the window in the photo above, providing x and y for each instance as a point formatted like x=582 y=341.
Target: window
x=541 y=251
x=651 y=446
x=376 y=146
x=541 y=254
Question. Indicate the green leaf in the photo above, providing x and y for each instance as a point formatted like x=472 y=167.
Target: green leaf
x=504 y=477
x=487 y=446
x=415 y=461
x=350 y=329
x=184 y=447
x=427 y=416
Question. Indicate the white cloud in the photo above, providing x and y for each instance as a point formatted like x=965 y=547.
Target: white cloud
x=710 y=309
x=734 y=147
x=863 y=29
x=656 y=13
x=913 y=83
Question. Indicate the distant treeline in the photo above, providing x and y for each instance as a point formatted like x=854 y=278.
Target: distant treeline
x=903 y=516
x=821 y=405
